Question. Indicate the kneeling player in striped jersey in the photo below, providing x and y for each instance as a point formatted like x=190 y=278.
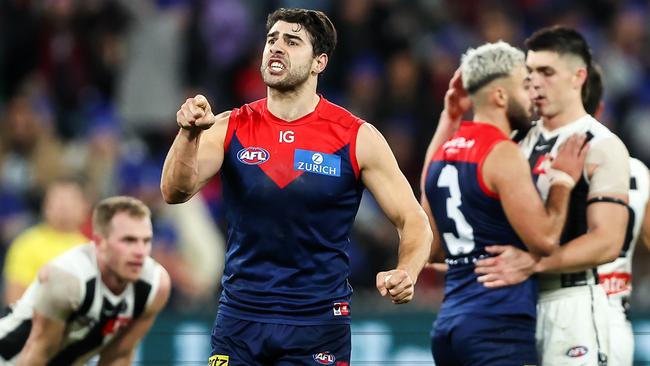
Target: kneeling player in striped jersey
x=99 y=298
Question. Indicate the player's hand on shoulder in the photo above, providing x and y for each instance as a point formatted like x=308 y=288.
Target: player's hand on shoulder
x=457 y=100
x=397 y=283
x=195 y=114
x=571 y=156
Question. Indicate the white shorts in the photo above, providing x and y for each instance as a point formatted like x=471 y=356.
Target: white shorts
x=621 y=336
x=572 y=326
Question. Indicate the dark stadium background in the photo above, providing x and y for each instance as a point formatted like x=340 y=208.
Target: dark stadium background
x=91 y=87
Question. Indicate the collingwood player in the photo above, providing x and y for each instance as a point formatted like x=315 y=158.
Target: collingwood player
x=572 y=325
x=616 y=277
x=99 y=298
x=478 y=191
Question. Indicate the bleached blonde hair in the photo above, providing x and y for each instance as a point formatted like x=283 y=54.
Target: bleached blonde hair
x=481 y=65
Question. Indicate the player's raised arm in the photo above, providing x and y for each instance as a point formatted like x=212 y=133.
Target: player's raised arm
x=381 y=174
x=57 y=295
x=457 y=102
x=121 y=350
x=197 y=152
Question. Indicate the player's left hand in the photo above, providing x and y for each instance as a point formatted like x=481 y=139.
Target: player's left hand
x=457 y=100
x=397 y=283
x=508 y=267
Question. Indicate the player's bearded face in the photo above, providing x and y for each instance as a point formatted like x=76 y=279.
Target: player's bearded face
x=296 y=73
x=518 y=116
x=288 y=57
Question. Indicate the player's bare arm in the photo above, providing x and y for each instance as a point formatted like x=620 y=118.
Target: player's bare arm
x=436 y=254
x=457 y=102
x=607 y=223
x=197 y=152
x=607 y=214
x=507 y=173
x=54 y=303
x=381 y=174
x=43 y=342
x=121 y=350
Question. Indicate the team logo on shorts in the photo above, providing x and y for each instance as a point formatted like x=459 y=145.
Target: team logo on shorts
x=324 y=358
x=341 y=308
x=253 y=155
x=317 y=162
x=577 y=351
x=218 y=360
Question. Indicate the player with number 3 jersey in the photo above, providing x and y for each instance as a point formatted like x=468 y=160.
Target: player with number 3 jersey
x=478 y=191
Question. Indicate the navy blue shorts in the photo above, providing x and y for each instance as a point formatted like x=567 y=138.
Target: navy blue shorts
x=237 y=342
x=484 y=340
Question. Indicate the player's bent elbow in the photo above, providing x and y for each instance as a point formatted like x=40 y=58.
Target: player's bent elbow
x=544 y=246
x=610 y=243
x=610 y=254
x=174 y=196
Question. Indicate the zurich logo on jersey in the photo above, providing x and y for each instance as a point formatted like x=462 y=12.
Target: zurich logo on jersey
x=317 y=162
x=253 y=155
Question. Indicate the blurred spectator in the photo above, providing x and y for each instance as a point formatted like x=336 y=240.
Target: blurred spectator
x=201 y=248
x=65 y=210
x=150 y=83
x=30 y=152
x=96 y=157
x=187 y=241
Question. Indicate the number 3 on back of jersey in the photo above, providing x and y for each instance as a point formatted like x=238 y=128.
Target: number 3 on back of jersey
x=464 y=243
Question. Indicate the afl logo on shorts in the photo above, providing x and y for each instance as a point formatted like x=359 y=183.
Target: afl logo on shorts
x=253 y=155
x=577 y=351
x=324 y=358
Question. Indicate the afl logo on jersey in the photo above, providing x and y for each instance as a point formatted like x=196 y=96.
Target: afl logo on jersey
x=577 y=351
x=253 y=155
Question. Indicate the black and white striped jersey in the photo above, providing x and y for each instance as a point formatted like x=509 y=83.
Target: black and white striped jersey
x=607 y=152
x=96 y=314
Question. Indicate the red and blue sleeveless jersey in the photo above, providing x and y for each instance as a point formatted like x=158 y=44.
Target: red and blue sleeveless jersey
x=469 y=217
x=291 y=191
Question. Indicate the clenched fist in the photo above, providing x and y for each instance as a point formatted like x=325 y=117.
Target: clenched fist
x=195 y=114
x=396 y=283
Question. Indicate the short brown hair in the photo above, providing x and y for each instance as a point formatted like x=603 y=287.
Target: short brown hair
x=106 y=209
x=319 y=27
